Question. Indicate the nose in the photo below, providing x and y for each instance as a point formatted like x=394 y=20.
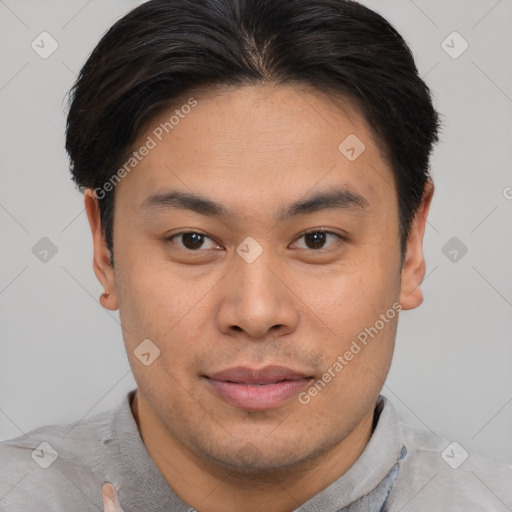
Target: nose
x=257 y=299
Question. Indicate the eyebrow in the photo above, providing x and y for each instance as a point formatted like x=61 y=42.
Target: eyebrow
x=332 y=199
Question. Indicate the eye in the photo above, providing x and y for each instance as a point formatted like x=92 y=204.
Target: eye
x=191 y=240
x=316 y=239
x=194 y=241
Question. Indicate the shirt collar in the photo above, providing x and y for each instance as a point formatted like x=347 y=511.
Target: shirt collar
x=370 y=478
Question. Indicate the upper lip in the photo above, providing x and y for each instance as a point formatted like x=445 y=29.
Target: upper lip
x=266 y=375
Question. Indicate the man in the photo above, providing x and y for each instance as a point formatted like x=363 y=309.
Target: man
x=255 y=176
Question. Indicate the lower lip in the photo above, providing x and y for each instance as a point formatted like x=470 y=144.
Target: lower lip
x=258 y=397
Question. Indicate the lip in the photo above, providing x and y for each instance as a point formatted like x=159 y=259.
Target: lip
x=258 y=389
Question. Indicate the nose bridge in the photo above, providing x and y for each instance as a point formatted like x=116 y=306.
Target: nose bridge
x=255 y=279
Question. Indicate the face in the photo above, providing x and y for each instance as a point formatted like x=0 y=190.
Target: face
x=282 y=271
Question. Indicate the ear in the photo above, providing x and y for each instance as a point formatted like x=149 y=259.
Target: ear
x=101 y=259
x=413 y=270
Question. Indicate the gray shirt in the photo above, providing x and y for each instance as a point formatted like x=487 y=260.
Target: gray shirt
x=61 y=468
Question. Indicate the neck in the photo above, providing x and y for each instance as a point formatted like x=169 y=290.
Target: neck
x=211 y=487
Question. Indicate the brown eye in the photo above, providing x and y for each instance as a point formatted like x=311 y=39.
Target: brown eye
x=316 y=239
x=191 y=241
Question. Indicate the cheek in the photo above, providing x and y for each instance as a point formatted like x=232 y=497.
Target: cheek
x=153 y=297
x=355 y=371
x=356 y=308
x=166 y=309
x=352 y=297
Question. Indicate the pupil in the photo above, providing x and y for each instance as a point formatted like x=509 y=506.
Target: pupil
x=317 y=239
x=193 y=240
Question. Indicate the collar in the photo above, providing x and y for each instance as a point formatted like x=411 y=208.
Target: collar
x=367 y=483
x=141 y=486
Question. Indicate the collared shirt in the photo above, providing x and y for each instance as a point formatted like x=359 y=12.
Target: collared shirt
x=61 y=468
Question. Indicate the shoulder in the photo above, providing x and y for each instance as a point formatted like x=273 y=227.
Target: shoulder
x=55 y=466
x=439 y=474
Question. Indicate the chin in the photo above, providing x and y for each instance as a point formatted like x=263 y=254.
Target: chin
x=262 y=458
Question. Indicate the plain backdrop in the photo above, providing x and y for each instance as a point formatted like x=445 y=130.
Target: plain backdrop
x=61 y=354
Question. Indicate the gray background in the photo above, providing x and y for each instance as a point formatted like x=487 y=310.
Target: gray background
x=62 y=356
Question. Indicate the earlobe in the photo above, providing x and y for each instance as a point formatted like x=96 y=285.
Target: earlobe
x=414 y=268
x=101 y=254
x=412 y=296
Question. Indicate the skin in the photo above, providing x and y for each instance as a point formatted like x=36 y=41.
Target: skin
x=254 y=150
x=110 y=500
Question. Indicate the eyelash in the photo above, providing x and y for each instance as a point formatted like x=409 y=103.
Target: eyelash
x=340 y=238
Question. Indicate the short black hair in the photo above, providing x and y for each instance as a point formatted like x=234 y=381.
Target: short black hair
x=163 y=49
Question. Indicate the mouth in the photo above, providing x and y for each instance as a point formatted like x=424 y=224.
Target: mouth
x=258 y=389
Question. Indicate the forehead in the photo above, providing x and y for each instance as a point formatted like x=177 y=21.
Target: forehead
x=255 y=145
